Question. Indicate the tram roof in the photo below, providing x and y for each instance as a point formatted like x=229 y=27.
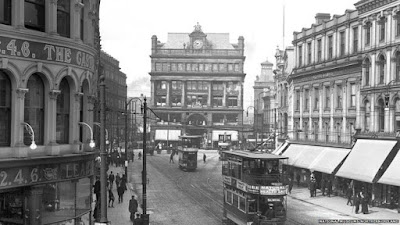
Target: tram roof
x=255 y=154
x=190 y=136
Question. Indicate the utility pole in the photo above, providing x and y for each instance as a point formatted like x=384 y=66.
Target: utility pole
x=103 y=153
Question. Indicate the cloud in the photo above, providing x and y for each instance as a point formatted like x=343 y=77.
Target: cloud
x=139 y=86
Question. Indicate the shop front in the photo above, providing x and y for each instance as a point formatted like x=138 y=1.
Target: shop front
x=390 y=184
x=46 y=191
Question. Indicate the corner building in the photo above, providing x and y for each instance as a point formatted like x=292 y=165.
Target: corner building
x=197 y=87
x=48 y=77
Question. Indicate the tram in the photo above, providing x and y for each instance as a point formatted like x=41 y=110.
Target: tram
x=187 y=151
x=254 y=188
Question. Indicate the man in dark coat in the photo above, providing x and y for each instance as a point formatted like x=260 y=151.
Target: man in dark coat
x=349 y=195
x=323 y=186
x=111 y=179
x=96 y=188
x=329 y=186
x=133 y=205
x=364 y=202
x=298 y=179
x=312 y=186
x=357 y=198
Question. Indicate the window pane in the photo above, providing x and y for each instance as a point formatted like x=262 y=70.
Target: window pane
x=34 y=15
x=5 y=12
x=63 y=17
x=82 y=196
x=63 y=103
x=5 y=109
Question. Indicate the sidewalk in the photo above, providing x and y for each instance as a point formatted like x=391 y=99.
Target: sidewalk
x=338 y=204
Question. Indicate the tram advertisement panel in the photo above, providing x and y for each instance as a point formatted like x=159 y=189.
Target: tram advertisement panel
x=273 y=190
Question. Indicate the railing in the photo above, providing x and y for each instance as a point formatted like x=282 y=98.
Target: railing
x=205 y=52
x=326 y=138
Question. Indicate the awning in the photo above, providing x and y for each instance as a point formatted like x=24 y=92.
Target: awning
x=391 y=175
x=170 y=135
x=365 y=159
x=293 y=153
x=279 y=150
x=329 y=159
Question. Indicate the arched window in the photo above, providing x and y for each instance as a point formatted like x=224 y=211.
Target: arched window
x=34 y=109
x=381 y=67
x=397 y=66
x=367 y=66
x=367 y=119
x=63 y=108
x=5 y=109
x=381 y=115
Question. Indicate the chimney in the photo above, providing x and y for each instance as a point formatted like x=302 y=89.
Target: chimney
x=321 y=17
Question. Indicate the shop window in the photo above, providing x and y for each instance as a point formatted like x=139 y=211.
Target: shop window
x=161 y=100
x=34 y=15
x=5 y=12
x=217 y=101
x=5 y=109
x=34 y=109
x=232 y=119
x=12 y=207
x=63 y=17
x=63 y=111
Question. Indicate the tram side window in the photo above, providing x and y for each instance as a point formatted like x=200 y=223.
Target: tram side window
x=236 y=170
x=225 y=168
x=228 y=198
x=235 y=200
x=252 y=205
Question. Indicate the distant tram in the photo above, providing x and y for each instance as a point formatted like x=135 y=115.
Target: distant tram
x=254 y=188
x=187 y=152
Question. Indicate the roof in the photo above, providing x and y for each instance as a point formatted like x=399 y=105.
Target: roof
x=217 y=40
x=267 y=63
x=191 y=136
x=255 y=155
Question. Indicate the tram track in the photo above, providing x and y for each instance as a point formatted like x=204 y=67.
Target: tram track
x=293 y=222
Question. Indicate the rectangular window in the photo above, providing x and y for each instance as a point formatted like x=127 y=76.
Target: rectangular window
x=222 y=67
x=176 y=85
x=327 y=97
x=232 y=101
x=300 y=55
x=309 y=53
x=368 y=34
x=217 y=101
x=398 y=25
x=218 y=86
x=353 y=95
x=163 y=85
x=215 y=67
x=307 y=100
x=355 y=39
x=218 y=119
x=316 y=98
x=63 y=17
x=5 y=12
x=382 y=30
x=196 y=101
x=297 y=100
x=342 y=43
x=34 y=15
x=82 y=22
x=176 y=100
x=319 y=50
x=339 y=97
x=330 y=47
x=188 y=67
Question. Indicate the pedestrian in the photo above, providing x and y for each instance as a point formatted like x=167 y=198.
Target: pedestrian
x=204 y=157
x=329 y=186
x=132 y=156
x=323 y=186
x=120 y=191
x=349 y=195
x=364 y=202
x=140 y=155
x=96 y=190
x=357 y=198
x=290 y=185
x=111 y=178
x=298 y=179
x=111 y=198
x=171 y=157
x=133 y=205
x=117 y=179
x=312 y=186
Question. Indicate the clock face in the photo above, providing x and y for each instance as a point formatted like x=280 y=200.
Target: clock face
x=197 y=44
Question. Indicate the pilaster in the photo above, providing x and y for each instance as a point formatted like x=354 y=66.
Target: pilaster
x=21 y=151
x=17 y=14
x=52 y=148
x=76 y=9
x=51 y=17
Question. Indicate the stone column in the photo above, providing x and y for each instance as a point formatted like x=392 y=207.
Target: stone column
x=74 y=120
x=21 y=150
x=168 y=97
x=51 y=16
x=17 y=14
x=224 y=95
x=209 y=95
x=183 y=100
x=52 y=148
x=76 y=9
x=391 y=118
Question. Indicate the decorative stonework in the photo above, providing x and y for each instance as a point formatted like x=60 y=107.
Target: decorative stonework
x=78 y=96
x=21 y=92
x=54 y=2
x=54 y=94
x=92 y=99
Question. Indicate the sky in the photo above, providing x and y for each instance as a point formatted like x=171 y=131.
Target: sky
x=126 y=28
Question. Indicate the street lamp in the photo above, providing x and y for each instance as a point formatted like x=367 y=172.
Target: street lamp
x=91 y=144
x=126 y=134
x=29 y=128
x=99 y=125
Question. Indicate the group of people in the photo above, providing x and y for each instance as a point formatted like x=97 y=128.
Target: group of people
x=120 y=183
x=360 y=198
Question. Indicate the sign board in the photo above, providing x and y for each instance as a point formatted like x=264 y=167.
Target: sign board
x=24 y=176
x=273 y=190
x=44 y=51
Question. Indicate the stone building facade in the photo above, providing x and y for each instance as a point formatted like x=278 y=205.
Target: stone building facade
x=197 y=87
x=48 y=82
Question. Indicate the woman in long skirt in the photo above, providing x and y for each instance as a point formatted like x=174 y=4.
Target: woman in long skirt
x=364 y=202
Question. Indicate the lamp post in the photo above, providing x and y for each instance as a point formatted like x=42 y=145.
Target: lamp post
x=126 y=135
x=247 y=114
x=99 y=125
x=29 y=128
x=145 y=216
x=91 y=144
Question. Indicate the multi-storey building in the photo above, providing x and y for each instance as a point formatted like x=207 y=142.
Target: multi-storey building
x=284 y=66
x=378 y=120
x=116 y=94
x=48 y=76
x=264 y=104
x=197 y=87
